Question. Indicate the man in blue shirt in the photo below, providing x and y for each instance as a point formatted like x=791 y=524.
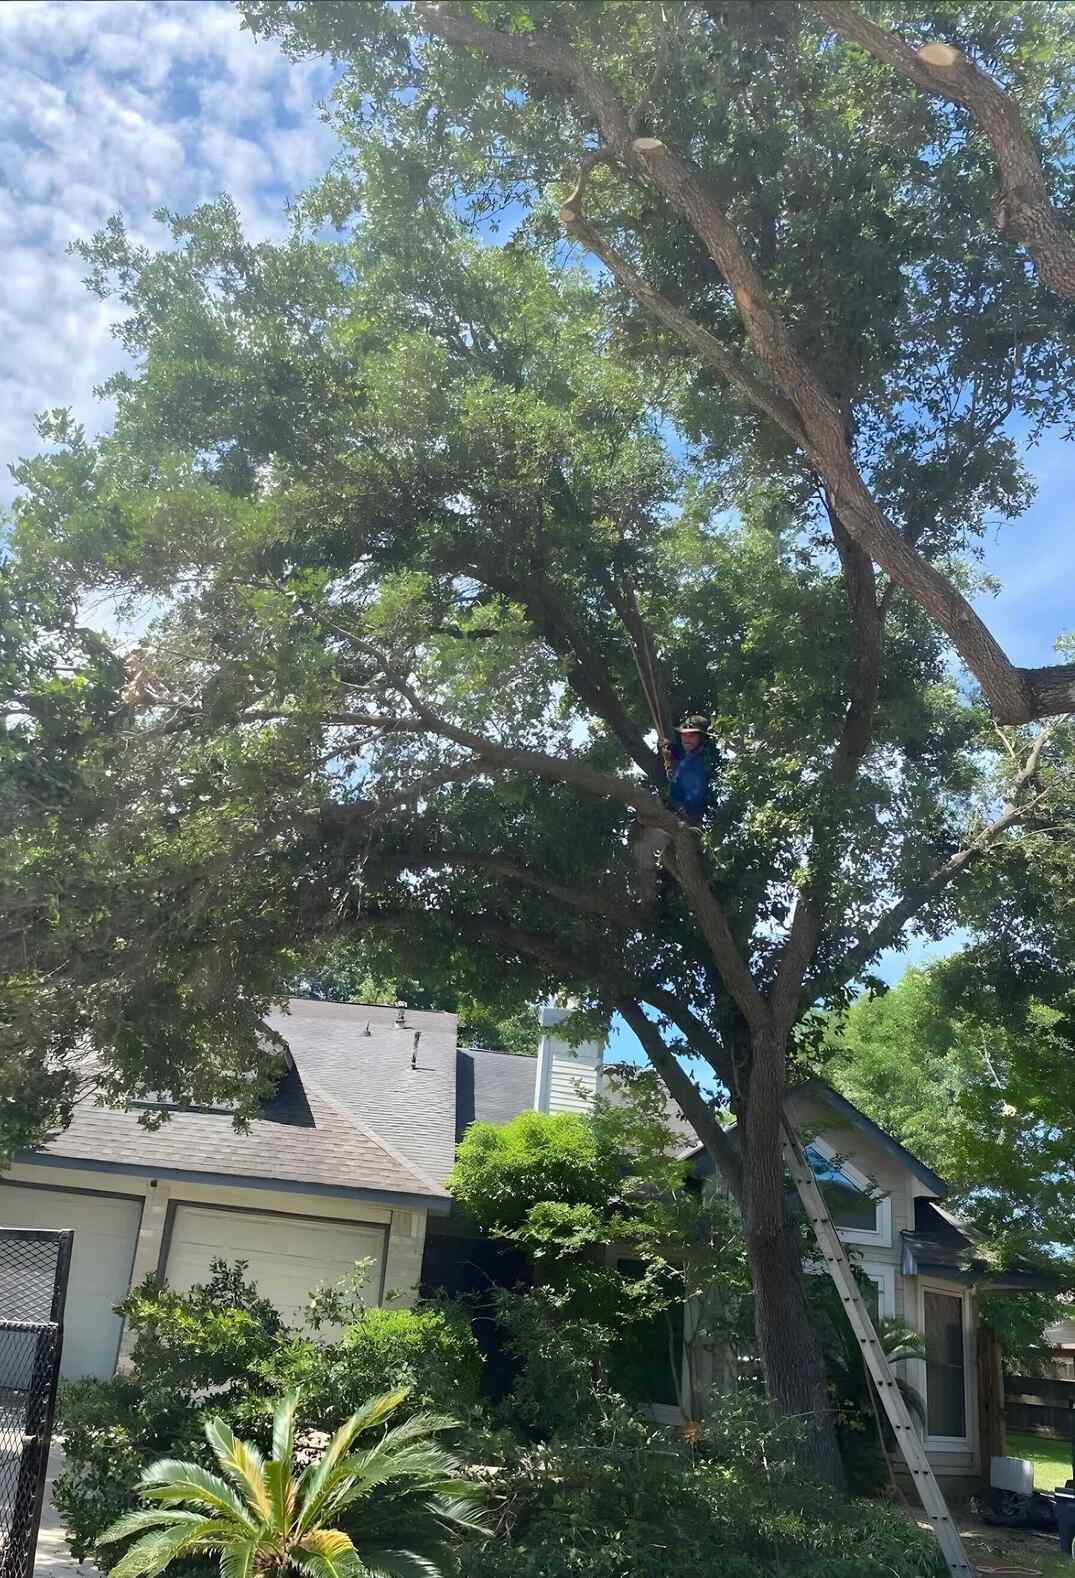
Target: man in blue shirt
x=688 y=796
x=688 y=790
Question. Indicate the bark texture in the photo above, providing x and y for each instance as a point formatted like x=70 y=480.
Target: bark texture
x=790 y=1352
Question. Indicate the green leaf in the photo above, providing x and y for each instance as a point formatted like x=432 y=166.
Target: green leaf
x=318 y=1479
x=168 y=1481
x=237 y=1561
x=138 y=1522
x=283 y=1429
x=243 y=1464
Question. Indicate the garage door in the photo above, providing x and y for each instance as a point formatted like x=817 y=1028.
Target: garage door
x=286 y=1256
x=106 y=1230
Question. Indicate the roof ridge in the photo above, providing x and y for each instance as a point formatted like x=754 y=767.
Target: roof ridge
x=371 y=1134
x=519 y=1057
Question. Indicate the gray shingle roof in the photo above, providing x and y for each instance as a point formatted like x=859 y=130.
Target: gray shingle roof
x=351 y=1116
x=492 y=1087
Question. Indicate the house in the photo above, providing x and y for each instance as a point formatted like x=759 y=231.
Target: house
x=349 y=1163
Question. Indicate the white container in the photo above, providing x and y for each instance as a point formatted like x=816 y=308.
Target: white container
x=1012 y=1473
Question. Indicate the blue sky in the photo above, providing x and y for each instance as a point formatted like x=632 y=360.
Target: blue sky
x=127 y=105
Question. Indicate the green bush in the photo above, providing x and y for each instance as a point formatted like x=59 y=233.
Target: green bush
x=221 y=1350
x=626 y=1500
x=502 y=1169
x=429 y=1351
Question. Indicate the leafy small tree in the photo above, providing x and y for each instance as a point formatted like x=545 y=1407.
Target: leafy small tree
x=264 y=1516
x=575 y=1190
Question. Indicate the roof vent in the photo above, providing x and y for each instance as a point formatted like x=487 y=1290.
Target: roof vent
x=401 y=1015
x=367 y=1031
x=414 y=1049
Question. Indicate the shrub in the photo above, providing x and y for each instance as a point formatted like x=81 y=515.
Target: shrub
x=431 y=1353
x=626 y=1500
x=222 y=1350
x=502 y=1169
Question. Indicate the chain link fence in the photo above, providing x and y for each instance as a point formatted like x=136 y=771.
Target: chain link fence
x=34 y=1267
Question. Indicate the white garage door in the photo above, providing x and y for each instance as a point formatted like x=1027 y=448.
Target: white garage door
x=286 y=1256
x=106 y=1230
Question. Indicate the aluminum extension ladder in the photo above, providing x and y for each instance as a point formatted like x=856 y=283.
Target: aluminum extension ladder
x=839 y=1268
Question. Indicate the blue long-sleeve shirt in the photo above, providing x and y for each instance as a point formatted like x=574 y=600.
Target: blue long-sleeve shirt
x=688 y=790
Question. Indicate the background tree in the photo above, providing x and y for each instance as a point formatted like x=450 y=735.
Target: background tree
x=343 y=971
x=418 y=509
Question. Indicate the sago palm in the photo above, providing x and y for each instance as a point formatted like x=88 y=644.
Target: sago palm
x=263 y=1517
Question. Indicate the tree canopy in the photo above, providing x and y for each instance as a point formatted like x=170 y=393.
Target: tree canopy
x=442 y=532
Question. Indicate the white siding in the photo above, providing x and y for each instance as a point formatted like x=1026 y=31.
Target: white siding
x=567 y=1077
x=105 y=1234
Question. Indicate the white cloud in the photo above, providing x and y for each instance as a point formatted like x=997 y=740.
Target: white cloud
x=126 y=107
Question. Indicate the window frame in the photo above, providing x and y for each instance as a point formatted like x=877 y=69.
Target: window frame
x=883 y=1275
x=965 y=1442
x=882 y=1234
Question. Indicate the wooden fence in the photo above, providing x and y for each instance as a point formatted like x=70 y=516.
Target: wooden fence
x=1039 y=1404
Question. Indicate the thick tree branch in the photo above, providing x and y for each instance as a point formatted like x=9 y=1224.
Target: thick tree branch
x=688 y=870
x=556 y=769
x=700 y=1037
x=889 y=927
x=709 y=348
x=867 y=620
x=588 y=678
x=1021 y=210
x=622 y=915
x=359 y=811
x=1014 y=695
x=685 y=1093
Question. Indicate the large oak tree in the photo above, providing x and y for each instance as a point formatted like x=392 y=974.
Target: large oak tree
x=437 y=527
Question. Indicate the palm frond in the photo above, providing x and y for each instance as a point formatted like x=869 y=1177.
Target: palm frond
x=237 y=1561
x=242 y=1463
x=283 y=1429
x=403 y=1564
x=326 y=1542
x=317 y=1480
x=169 y=1481
x=461 y=1514
x=148 y=1518
x=280 y=1484
x=152 y=1554
x=347 y=1565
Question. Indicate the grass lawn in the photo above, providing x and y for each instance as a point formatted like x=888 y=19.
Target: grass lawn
x=1051 y=1459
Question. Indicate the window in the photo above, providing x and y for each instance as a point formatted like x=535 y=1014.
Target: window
x=855 y=1207
x=647 y=1357
x=946 y=1376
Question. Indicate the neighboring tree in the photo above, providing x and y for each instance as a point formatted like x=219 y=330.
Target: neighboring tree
x=976 y=1085
x=442 y=538
x=265 y=1517
x=343 y=972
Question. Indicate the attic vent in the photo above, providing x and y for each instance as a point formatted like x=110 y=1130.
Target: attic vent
x=401 y=1015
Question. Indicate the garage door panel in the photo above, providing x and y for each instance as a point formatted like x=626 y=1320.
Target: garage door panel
x=106 y=1233
x=287 y=1257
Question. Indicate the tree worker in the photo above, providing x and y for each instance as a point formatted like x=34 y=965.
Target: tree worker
x=688 y=791
x=688 y=795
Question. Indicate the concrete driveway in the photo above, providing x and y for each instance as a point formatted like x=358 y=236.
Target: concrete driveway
x=53 y=1557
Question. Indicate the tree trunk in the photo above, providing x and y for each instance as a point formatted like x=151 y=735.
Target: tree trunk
x=787 y=1343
